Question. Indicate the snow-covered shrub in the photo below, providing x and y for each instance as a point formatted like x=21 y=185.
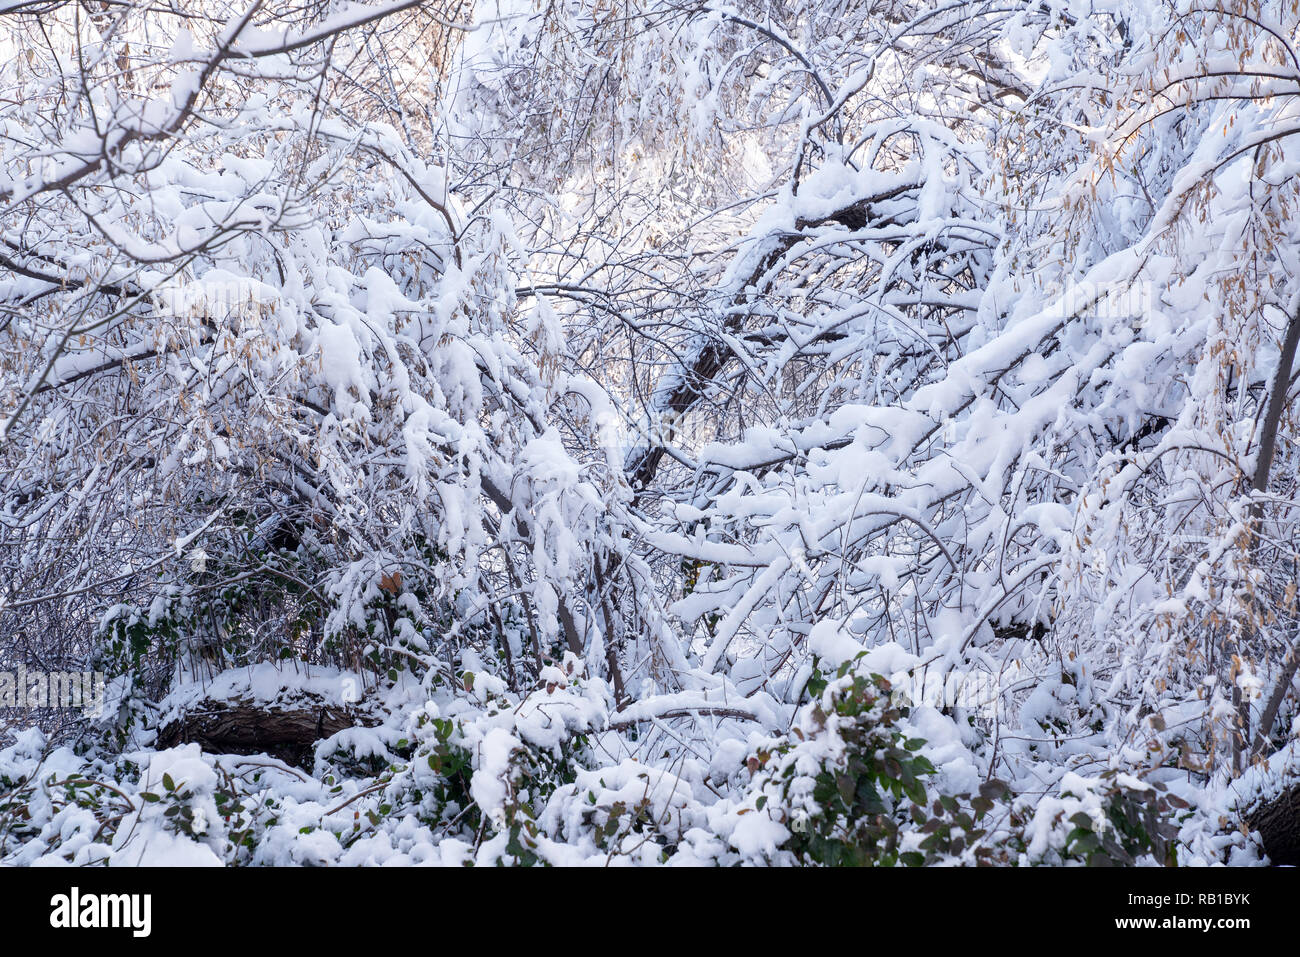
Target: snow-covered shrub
x=626 y=812
x=850 y=785
x=482 y=769
x=1113 y=819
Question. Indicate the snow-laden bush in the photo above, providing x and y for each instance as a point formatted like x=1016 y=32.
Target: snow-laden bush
x=850 y=784
x=474 y=774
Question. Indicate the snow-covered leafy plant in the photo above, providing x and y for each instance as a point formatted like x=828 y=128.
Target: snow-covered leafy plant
x=853 y=789
x=1111 y=820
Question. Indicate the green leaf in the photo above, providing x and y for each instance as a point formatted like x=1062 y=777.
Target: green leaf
x=846 y=787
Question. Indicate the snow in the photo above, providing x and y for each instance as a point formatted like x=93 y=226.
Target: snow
x=593 y=401
x=267 y=684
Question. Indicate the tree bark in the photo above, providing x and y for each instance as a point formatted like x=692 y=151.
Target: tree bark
x=1277 y=822
x=241 y=727
x=1259 y=483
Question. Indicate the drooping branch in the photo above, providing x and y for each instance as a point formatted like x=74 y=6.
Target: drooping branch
x=572 y=636
x=702 y=368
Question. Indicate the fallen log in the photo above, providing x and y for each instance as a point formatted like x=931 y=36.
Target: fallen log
x=1277 y=821
x=1266 y=801
x=288 y=732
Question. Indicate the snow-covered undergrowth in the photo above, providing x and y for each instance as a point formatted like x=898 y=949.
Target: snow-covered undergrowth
x=825 y=432
x=472 y=774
